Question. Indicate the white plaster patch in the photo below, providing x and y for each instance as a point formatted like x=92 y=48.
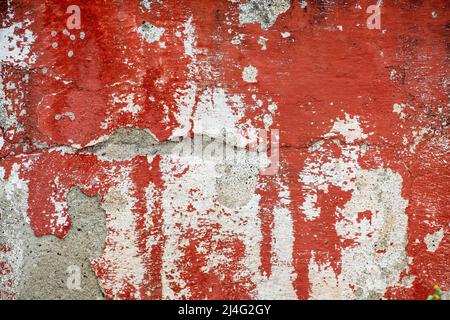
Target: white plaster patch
x=149 y=32
x=349 y=128
x=15 y=49
x=58 y=218
x=280 y=284
x=146 y=4
x=13 y=216
x=217 y=111
x=128 y=101
x=263 y=42
x=15 y=44
x=322 y=169
x=377 y=256
x=433 y=240
x=121 y=259
x=9 y=116
x=268 y=121
x=398 y=108
x=190 y=41
x=272 y=107
x=211 y=111
x=237 y=40
x=186 y=97
x=195 y=189
x=68 y=114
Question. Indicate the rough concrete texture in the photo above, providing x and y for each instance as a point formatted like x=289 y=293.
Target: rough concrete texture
x=128 y=166
x=44 y=265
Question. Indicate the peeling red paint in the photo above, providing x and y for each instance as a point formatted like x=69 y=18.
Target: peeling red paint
x=315 y=76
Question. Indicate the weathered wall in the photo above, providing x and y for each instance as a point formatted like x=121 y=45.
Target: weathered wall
x=95 y=180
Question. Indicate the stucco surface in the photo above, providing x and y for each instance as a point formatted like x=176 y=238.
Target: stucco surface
x=129 y=155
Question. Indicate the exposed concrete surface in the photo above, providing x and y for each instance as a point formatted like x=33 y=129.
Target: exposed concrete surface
x=262 y=12
x=46 y=265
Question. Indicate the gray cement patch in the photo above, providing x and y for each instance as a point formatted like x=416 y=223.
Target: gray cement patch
x=44 y=266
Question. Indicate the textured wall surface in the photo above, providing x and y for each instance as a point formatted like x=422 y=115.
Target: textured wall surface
x=128 y=166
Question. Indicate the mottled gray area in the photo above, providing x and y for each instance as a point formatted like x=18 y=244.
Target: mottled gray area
x=42 y=263
x=125 y=144
x=264 y=12
x=237 y=183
